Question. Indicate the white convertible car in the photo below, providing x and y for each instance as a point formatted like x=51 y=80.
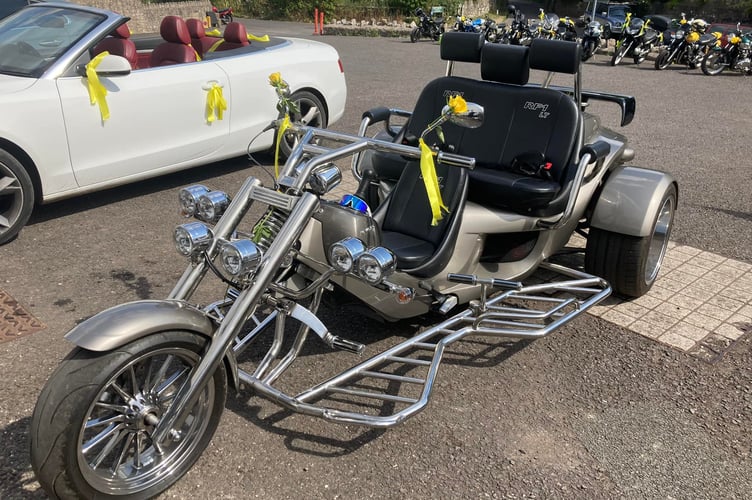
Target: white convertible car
x=85 y=106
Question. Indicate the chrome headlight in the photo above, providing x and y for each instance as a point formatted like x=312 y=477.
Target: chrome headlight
x=212 y=205
x=188 y=199
x=240 y=257
x=344 y=254
x=376 y=265
x=325 y=178
x=192 y=238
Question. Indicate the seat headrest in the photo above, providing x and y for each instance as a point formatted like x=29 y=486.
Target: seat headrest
x=505 y=63
x=558 y=56
x=122 y=31
x=461 y=46
x=173 y=29
x=195 y=28
x=236 y=33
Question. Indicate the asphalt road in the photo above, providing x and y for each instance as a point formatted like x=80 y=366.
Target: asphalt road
x=593 y=411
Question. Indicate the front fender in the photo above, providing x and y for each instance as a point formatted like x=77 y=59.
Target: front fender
x=125 y=323
x=630 y=201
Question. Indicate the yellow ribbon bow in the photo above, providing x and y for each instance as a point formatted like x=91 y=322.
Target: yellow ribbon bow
x=428 y=171
x=215 y=103
x=214 y=32
x=97 y=91
x=254 y=38
x=280 y=134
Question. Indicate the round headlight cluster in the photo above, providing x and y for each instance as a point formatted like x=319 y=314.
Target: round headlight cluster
x=188 y=199
x=192 y=238
x=240 y=257
x=372 y=265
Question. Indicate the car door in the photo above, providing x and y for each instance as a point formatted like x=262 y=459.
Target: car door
x=158 y=122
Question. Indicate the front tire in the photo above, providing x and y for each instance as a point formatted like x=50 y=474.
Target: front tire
x=713 y=63
x=619 y=53
x=631 y=263
x=90 y=431
x=16 y=196
x=662 y=61
x=311 y=112
x=415 y=35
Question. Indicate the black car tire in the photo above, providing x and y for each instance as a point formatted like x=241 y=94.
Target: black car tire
x=17 y=196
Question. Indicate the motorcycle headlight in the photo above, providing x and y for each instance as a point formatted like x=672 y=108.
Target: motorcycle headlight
x=212 y=205
x=679 y=33
x=240 y=257
x=376 y=265
x=192 y=238
x=344 y=254
x=188 y=199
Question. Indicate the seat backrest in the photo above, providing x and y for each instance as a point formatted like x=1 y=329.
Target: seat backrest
x=235 y=36
x=176 y=48
x=199 y=39
x=518 y=118
x=120 y=44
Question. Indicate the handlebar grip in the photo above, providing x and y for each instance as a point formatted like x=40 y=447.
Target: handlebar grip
x=597 y=150
x=378 y=114
x=513 y=285
x=455 y=160
x=467 y=279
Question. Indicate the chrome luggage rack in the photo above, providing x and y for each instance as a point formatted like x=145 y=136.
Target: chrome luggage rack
x=402 y=377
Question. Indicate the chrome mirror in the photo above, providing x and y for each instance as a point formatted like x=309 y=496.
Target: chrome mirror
x=472 y=118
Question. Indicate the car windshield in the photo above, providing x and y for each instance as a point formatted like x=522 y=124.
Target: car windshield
x=618 y=11
x=32 y=39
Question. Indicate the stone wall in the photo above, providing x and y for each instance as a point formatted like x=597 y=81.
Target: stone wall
x=145 y=18
x=476 y=8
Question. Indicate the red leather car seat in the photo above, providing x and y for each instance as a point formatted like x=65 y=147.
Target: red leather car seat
x=119 y=43
x=200 y=41
x=235 y=37
x=177 y=48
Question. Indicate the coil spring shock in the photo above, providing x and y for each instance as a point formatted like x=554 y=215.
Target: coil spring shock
x=268 y=226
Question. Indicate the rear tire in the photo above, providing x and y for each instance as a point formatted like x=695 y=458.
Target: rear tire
x=631 y=263
x=312 y=113
x=90 y=431
x=16 y=196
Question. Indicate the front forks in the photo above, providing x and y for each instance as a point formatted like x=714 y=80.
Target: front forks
x=246 y=302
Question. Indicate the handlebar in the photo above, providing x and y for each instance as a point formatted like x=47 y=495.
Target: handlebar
x=471 y=279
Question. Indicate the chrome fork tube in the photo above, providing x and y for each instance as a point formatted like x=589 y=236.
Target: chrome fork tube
x=188 y=393
x=192 y=276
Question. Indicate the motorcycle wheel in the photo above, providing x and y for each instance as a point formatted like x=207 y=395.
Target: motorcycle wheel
x=16 y=196
x=90 y=431
x=631 y=263
x=415 y=35
x=312 y=112
x=713 y=63
x=588 y=50
x=619 y=53
x=662 y=61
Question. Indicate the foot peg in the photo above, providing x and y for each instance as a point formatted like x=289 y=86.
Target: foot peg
x=343 y=344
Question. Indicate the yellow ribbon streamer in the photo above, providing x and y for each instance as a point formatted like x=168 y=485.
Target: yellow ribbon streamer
x=428 y=171
x=280 y=134
x=216 y=44
x=255 y=38
x=214 y=32
x=97 y=91
x=215 y=103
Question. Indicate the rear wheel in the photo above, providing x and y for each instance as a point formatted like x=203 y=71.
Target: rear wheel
x=310 y=112
x=91 y=430
x=663 y=60
x=16 y=196
x=713 y=63
x=631 y=263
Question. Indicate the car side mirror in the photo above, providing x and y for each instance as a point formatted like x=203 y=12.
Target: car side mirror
x=111 y=65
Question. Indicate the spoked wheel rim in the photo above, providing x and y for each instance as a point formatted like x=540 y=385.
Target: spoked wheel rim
x=659 y=240
x=309 y=114
x=11 y=198
x=115 y=452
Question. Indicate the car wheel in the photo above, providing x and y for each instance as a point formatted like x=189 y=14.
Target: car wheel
x=16 y=196
x=310 y=112
x=713 y=63
x=631 y=263
x=607 y=33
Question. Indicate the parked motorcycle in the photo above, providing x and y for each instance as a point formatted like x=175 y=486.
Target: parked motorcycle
x=689 y=45
x=736 y=55
x=637 y=40
x=591 y=39
x=518 y=32
x=491 y=31
x=225 y=15
x=565 y=30
x=482 y=199
x=427 y=27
